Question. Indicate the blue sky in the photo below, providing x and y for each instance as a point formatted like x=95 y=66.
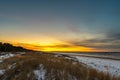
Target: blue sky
x=90 y=23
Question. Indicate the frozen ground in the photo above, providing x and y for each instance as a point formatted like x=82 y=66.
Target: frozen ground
x=105 y=65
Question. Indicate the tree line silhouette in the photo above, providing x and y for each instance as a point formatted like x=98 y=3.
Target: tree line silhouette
x=6 y=47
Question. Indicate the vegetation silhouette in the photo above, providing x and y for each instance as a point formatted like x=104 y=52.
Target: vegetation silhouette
x=7 y=47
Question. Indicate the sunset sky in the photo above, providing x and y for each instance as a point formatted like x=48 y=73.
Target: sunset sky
x=61 y=25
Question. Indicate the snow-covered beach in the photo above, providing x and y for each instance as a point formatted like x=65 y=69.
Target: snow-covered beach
x=106 y=63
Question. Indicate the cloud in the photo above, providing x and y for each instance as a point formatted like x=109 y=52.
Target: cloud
x=110 y=42
x=114 y=35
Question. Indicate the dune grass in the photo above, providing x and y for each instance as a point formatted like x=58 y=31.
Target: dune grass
x=55 y=68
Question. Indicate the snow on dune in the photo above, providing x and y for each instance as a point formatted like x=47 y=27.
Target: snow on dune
x=2 y=57
x=2 y=72
x=5 y=55
x=40 y=74
x=105 y=65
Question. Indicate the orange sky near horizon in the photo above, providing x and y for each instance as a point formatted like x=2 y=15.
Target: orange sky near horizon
x=49 y=47
x=50 y=44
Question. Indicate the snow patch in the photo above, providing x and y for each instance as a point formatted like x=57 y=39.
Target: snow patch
x=40 y=74
x=11 y=66
x=5 y=56
x=2 y=72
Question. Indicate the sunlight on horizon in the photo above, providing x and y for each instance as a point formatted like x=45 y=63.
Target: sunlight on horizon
x=49 y=46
